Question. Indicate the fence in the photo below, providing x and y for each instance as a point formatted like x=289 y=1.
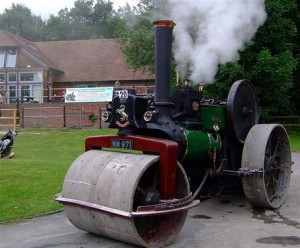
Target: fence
x=288 y=121
x=50 y=115
x=62 y=115
x=9 y=118
x=74 y=115
x=55 y=95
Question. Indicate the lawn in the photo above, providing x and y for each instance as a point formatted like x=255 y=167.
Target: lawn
x=31 y=179
x=294 y=137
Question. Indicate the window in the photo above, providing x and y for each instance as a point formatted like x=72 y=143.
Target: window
x=11 y=58
x=81 y=86
x=8 y=58
x=86 y=85
x=2 y=78
x=25 y=92
x=31 y=76
x=37 y=93
x=12 y=94
x=2 y=57
x=12 y=77
x=29 y=93
x=33 y=90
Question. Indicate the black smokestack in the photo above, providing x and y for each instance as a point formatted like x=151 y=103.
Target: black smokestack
x=163 y=55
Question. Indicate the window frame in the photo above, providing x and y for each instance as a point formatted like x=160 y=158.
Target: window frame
x=11 y=58
x=2 y=58
x=40 y=80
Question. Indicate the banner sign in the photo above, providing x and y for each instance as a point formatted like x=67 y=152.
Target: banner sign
x=93 y=94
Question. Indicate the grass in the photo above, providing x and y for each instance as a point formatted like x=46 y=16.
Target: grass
x=43 y=156
x=31 y=179
x=295 y=142
x=294 y=136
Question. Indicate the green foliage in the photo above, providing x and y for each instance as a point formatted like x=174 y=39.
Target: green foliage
x=86 y=20
x=82 y=11
x=294 y=137
x=31 y=179
x=273 y=77
x=269 y=61
x=139 y=50
x=279 y=29
x=137 y=39
x=20 y=21
x=227 y=74
x=295 y=90
x=101 y=18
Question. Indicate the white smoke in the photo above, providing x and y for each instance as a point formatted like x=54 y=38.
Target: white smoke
x=212 y=32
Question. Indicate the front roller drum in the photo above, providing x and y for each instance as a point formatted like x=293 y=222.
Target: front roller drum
x=267 y=151
x=111 y=186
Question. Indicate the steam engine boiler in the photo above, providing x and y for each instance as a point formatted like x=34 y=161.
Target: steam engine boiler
x=138 y=185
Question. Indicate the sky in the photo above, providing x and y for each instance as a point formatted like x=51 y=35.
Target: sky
x=45 y=8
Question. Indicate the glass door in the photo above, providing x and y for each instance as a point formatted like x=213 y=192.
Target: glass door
x=37 y=93
x=12 y=94
x=25 y=93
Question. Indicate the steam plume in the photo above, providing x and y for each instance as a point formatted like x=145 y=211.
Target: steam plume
x=212 y=32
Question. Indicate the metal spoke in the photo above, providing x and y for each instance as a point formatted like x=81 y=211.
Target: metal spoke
x=276 y=152
x=267 y=181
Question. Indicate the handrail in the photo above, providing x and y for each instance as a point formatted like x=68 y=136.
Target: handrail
x=289 y=121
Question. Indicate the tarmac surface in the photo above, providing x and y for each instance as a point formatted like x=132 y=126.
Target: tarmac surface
x=230 y=222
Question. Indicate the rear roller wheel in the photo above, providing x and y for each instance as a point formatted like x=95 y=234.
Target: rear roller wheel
x=267 y=149
x=121 y=182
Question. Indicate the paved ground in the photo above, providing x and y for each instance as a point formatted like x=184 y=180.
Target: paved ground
x=232 y=223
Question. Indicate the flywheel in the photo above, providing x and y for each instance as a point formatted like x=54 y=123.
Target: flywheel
x=242 y=109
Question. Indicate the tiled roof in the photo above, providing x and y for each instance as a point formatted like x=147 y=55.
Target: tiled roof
x=27 y=48
x=6 y=39
x=90 y=60
x=79 y=60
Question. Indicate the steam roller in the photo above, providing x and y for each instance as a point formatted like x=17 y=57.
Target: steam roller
x=171 y=151
x=107 y=190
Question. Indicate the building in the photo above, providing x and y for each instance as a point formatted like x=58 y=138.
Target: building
x=41 y=71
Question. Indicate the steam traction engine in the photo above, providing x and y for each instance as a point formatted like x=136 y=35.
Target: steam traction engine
x=177 y=146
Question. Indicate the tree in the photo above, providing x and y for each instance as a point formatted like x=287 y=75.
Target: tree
x=57 y=27
x=104 y=19
x=82 y=11
x=295 y=90
x=268 y=61
x=19 y=20
x=85 y=20
x=138 y=46
x=137 y=38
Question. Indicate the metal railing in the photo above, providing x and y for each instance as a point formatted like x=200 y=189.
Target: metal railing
x=288 y=121
x=56 y=95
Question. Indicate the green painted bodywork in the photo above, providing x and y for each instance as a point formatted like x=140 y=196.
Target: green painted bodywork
x=201 y=144
x=212 y=115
